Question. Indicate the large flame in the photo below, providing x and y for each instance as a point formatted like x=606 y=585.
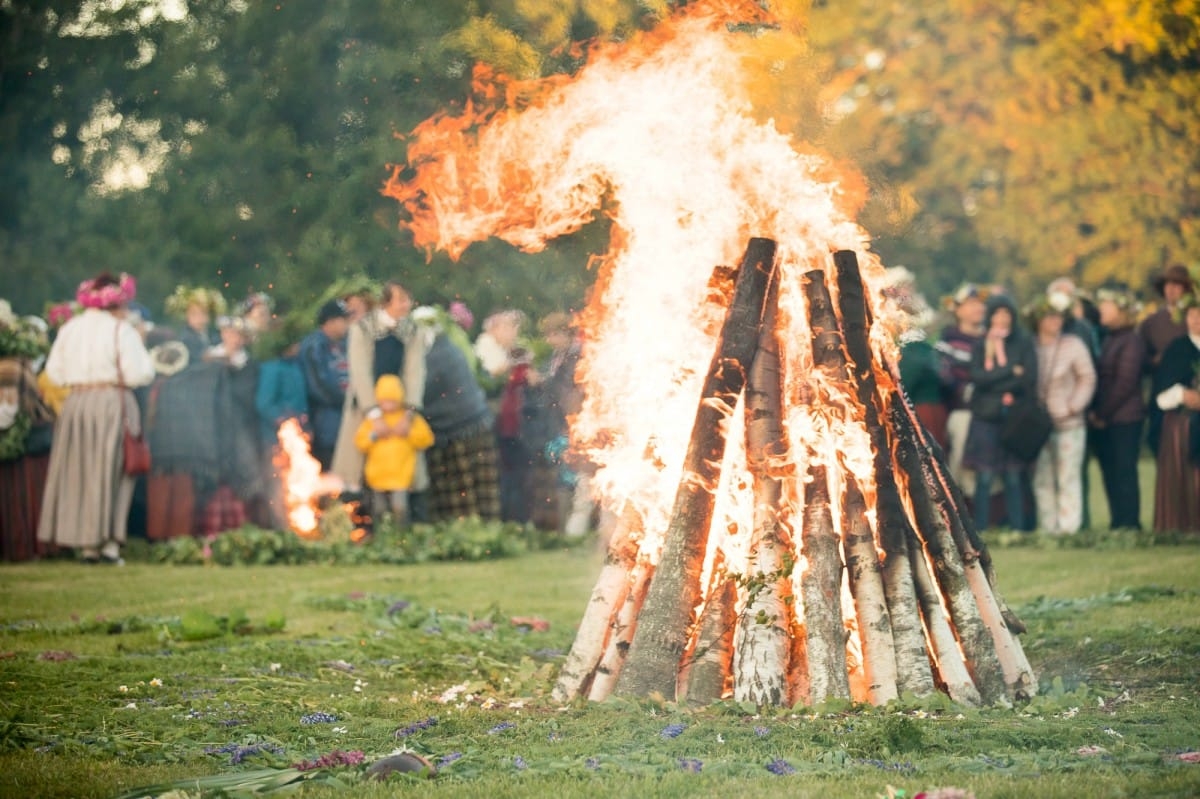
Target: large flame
x=659 y=135
x=303 y=482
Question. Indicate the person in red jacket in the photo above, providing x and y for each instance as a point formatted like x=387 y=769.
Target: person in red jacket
x=1119 y=410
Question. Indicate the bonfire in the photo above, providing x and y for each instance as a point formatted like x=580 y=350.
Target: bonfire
x=787 y=533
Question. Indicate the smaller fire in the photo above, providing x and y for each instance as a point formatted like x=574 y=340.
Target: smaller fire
x=304 y=484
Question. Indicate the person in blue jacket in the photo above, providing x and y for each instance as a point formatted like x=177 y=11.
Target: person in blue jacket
x=326 y=375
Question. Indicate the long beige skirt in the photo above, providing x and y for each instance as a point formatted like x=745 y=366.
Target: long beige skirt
x=87 y=497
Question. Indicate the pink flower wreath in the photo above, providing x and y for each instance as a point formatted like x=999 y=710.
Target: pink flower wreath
x=91 y=297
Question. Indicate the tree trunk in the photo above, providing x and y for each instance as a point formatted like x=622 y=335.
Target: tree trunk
x=870 y=603
x=668 y=614
x=938 y=540
x=705 y=677
x=821 y=581
x=894 y=527
x=762 y=651
x=608 y=593
x=950 y=665
x=624 y=627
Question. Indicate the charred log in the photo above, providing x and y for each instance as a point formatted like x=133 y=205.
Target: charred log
x=666 y=618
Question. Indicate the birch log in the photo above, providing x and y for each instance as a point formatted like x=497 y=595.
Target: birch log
x=821 y=580
x=607 y=596
x=763 y=631
x=623 y=628
x=706 y=676
x=894 y=528
x=949 y=569
x=667 y=617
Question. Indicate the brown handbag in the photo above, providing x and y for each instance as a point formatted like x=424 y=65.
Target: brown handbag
x=135 y=452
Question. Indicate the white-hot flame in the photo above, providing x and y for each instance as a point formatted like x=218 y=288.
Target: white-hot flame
x=659 y=135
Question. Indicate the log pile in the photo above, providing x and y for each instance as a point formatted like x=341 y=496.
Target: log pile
x=864 y=587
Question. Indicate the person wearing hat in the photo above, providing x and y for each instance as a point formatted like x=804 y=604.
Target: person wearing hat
x=1118 y=409
x=955 y=344
x=1004 y=367
x=1177 y=490
x=1065 y=386
x=1158 y=330
x=326 y=376
x=196 y=306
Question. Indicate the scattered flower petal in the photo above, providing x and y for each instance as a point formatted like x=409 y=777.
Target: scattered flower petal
x=332 y=760
x=501 y=727
x=673 y=730
x=318 y=718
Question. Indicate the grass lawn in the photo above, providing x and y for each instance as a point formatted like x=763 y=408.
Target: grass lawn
x=1114 y=633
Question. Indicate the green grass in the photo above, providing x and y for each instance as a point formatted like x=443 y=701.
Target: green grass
x=1114 y=634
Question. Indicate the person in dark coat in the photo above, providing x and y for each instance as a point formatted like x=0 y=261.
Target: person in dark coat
x=1177 y=491
x=326 y=376
x=1004 y=373
x=1118 y=410
x=955 y=346
x=1158 y=330
x=464 y=471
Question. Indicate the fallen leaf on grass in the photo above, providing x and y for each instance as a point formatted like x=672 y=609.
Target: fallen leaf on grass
x=57 y=655
x=532 y=623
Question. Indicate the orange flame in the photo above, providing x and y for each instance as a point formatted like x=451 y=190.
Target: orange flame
x=659 y=135
x=303 y=482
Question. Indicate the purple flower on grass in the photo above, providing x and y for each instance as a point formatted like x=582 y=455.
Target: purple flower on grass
x=318 y=718
x=446 y=760
x=416 y=726
x=332 y=760
x=398 y=606
x=673 y=730
x=781 y=767
x=762 y=732
x=519 y=763
x=691 y=765
x=237 y=752
x=501 y=727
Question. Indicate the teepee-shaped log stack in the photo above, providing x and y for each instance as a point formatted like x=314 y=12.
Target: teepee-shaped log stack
x=901 y=571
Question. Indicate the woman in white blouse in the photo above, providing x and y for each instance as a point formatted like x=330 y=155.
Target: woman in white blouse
x=99 y=357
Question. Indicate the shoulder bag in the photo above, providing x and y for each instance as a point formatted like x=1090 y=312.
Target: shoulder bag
x=1027 y=425
x=136 y=460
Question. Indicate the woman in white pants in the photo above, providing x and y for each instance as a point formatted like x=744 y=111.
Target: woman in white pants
x=1066 y=383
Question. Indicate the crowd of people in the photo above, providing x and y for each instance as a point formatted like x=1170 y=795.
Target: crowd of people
x=415 y=419
x=1110 y=381
x=422 y=422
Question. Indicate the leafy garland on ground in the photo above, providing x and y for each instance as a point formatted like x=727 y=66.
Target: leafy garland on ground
x=462 y=540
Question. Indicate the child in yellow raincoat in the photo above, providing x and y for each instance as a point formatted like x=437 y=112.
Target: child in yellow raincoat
x=392 y=442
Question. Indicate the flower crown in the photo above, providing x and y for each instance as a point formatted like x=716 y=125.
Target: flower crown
x=61 y=313
x=183 y=296
x=89 y=296
x=965 y=292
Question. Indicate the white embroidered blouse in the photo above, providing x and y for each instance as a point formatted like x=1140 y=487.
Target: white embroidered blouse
x=85 y=351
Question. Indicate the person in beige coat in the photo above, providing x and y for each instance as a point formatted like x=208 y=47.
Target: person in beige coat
x=381 y=342
x=1066 y=384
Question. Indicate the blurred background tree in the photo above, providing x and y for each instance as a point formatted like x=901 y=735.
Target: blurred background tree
x=243 y=145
